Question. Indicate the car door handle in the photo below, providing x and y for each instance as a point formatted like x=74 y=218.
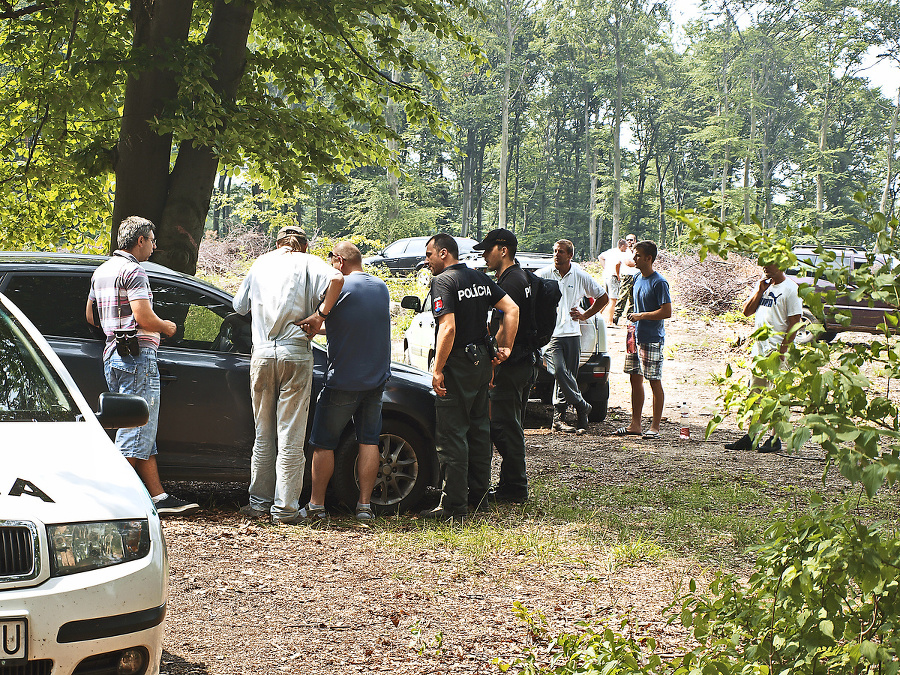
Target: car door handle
x=166 y=376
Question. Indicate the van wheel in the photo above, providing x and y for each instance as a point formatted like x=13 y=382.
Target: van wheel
x=403 y=473
x=805 y=335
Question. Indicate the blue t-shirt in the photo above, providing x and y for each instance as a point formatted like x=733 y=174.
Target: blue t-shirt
x=359 y=335
x=650 y=293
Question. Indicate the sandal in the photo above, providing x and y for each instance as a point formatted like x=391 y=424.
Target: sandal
x=650 y=434
x=625 y=431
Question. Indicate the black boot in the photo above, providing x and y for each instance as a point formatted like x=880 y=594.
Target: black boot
x=743 y=443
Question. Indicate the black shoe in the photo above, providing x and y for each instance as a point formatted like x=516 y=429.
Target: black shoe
x=772 y=444
x=172 y=506
x=582 y=424
x=504 y=496
x=445 y=515
x=743 y=443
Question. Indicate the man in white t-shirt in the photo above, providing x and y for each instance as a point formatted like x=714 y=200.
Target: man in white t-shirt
x=777 y=304
x=611 y=260
x=627 y=275
x=563 y=353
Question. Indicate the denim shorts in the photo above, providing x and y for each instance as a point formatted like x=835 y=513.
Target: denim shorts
x=334 y=410
x=136 y=375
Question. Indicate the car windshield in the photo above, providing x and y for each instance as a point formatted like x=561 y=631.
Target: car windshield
x=30 y=390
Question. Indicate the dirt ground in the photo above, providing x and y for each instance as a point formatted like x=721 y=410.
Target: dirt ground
x=251 y=598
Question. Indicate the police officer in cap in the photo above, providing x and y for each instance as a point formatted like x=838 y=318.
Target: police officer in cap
x=514 y=376
x=461 y=298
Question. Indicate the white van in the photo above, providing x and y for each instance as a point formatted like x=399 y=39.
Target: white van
x=83 y=567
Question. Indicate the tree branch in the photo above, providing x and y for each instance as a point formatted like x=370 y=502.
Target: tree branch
x=362 y=60
x=9 y=12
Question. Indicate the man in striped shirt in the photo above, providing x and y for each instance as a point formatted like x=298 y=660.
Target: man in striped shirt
x=121 y=290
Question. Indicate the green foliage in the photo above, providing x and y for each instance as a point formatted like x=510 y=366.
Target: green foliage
x=824 y=594
x=824 y=597
x=375 y=214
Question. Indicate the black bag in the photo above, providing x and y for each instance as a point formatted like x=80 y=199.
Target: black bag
x=545 y=297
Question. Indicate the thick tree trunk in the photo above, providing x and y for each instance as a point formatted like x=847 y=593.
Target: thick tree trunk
x=177 y=203
x=143 y=156
x=191 y=182
x=592 y=207
x=392 y=118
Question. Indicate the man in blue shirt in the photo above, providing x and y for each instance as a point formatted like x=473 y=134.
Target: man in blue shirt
x=653 y=305
x=358 y=365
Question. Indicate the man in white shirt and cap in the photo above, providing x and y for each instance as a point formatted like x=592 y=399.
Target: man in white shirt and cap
x=284 y=288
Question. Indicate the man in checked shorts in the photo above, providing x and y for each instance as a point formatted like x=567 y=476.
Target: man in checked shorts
x=653 y=305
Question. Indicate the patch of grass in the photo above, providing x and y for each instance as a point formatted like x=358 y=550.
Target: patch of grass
x=735 y=316
x=707 y=517
x=629 y=553
x=478 y=540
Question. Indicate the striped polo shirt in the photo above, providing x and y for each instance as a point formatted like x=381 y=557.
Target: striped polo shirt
x=114 y=285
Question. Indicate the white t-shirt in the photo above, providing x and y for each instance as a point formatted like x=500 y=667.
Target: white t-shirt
x=610 y=258
x=575 y=285
x=628 y=256
x=778 y=302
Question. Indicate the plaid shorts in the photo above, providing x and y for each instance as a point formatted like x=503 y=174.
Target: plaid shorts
x=646 y=361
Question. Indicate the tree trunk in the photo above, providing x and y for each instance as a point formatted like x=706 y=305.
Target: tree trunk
x=889 y=178
x=392 y=118
x=617 y=150
x=592 y=206
x=749 y=150
x=726 y=162
x=823 y=144
x=177 y=203
x=662 y=202
x=143 y=156
x=504 y=124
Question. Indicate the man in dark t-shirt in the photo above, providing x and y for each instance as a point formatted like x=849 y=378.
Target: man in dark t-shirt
x=514 y=376
x=358 y=365
x=461 y=298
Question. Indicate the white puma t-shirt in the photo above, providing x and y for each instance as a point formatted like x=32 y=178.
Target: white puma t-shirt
x=779 y=301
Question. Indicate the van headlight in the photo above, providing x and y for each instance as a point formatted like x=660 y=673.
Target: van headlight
x=79 y=547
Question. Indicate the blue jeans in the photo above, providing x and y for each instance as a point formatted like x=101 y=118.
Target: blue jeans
x=136 y=375
x=280 y=386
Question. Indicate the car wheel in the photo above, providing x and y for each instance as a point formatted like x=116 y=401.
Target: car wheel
x=403 y=473
x=599 y=402
x=805 y=335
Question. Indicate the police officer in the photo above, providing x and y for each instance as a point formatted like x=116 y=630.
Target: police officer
x=461 y=298
x=514 y=376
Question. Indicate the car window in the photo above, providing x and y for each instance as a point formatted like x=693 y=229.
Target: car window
x=30 y=389
x=417 y=247
x=395 y=249
x=199 y=317
x=54 y=302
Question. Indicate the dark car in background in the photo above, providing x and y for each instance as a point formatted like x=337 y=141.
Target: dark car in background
x=864 y=317
x=405 y=256
x=206 y=428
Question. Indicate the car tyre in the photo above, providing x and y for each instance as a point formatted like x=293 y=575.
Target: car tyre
x=599 y=406
x=806 y=336
x=404 y=473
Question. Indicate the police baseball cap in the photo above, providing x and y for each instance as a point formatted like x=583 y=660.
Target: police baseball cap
x=500 y=236
x=289 y=230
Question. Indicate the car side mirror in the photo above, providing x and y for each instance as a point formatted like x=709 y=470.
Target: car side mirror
x=122 y=411
x=411 y=302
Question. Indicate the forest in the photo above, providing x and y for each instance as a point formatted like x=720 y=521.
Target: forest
x=589 y=120
x=558 y=118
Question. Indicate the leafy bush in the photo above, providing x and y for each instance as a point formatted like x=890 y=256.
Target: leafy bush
x=824 y=596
